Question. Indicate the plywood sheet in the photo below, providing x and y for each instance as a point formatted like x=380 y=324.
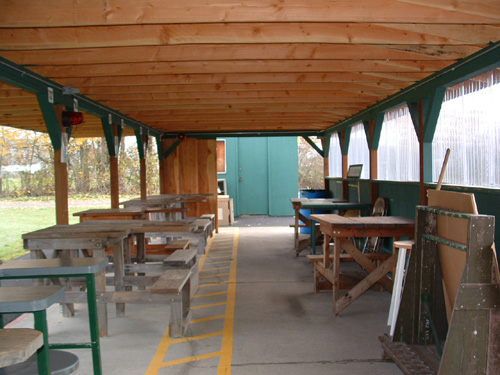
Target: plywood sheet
x=455 y=229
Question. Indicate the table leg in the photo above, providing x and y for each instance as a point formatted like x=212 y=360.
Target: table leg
x=336 y=273
x=102 y=307
x=296 y=230
x=140 y=239
x=118 y=263
x=94 y=324
x=313 y=233
x=43 y=357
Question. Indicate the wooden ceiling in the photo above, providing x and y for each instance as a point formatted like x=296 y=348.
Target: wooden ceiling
x=227 y=65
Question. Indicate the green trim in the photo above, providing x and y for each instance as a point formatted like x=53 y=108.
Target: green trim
x=159 y=148
x=51 y=121
x=25 y=79
x=172 y=148
x=247 y=134
x=347 y=140
x=108 y=134
x=444 y=241
x=327 y=147
x=140 y=143
x=379 y=120
x=313 y=145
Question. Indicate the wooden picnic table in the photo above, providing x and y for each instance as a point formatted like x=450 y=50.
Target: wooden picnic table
x=96 y=236
x=131 y=213
x=340 y=229
x=325 y=204
x=166 y=206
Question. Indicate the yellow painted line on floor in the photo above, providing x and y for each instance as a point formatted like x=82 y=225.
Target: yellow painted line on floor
x=213 y=284
x=157 y=362
x=225 y=354
x=220 y=257
x=194 y=338
x=222 y=252
x=216 y=275
x=190 y=359
x=207 y=319
x=207 y=306
x=209 y=294
x=218 y=262
x=216 y=269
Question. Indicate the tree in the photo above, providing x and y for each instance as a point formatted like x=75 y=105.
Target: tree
x=311 y=175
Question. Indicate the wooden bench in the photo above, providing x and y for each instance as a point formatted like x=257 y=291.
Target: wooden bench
x=176 y=283
x=18 y=345
x=210 y=217
x=185 y=259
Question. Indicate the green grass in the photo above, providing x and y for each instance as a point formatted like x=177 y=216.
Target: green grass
x=16 y=221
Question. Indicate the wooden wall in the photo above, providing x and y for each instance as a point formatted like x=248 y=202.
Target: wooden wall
x=192 y=169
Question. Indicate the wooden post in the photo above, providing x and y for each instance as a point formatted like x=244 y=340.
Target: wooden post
x=61 y=189
x=114 y=183
x=144 y=192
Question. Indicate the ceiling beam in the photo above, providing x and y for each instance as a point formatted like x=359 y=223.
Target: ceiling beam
x=54 y=13
x=237 y=33
x=214 y=52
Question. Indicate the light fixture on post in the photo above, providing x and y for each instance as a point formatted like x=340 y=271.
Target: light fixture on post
x=70 y=118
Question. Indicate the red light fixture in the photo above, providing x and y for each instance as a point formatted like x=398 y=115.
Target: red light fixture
x=70 y=118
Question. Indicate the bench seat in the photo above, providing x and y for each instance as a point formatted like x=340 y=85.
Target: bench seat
x=18 y=345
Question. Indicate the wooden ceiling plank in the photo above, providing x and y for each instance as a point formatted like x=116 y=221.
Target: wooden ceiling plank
x=170 y=34
x=482 y=8
x=210 y=52
x=31 y=13
x=229 y=95
x=259 y=66
x=280 y=77
x=208 y=87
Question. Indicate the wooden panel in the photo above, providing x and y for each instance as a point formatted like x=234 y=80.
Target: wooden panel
x=455 y=229
x=93 y=12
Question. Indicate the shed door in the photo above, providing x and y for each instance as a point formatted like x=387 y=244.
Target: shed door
x=253 y=187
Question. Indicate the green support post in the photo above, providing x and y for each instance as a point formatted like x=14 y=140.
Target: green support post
x=43 y=356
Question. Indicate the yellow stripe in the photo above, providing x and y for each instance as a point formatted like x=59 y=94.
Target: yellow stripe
x=213 y=284
x=207 y=306
x=190 y=359
x=209 y=294
x=218 y=262
x=220 y=257
x=227 y=334
x=207 y=319
x=201 y=337
x=215 y=269
x=157 y=362
x=227 y=339
x=216 y=275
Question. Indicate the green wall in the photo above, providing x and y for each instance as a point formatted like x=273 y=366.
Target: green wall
x=282 y=165
x=405 y=196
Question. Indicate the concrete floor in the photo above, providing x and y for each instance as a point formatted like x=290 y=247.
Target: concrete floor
x=255 y=313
